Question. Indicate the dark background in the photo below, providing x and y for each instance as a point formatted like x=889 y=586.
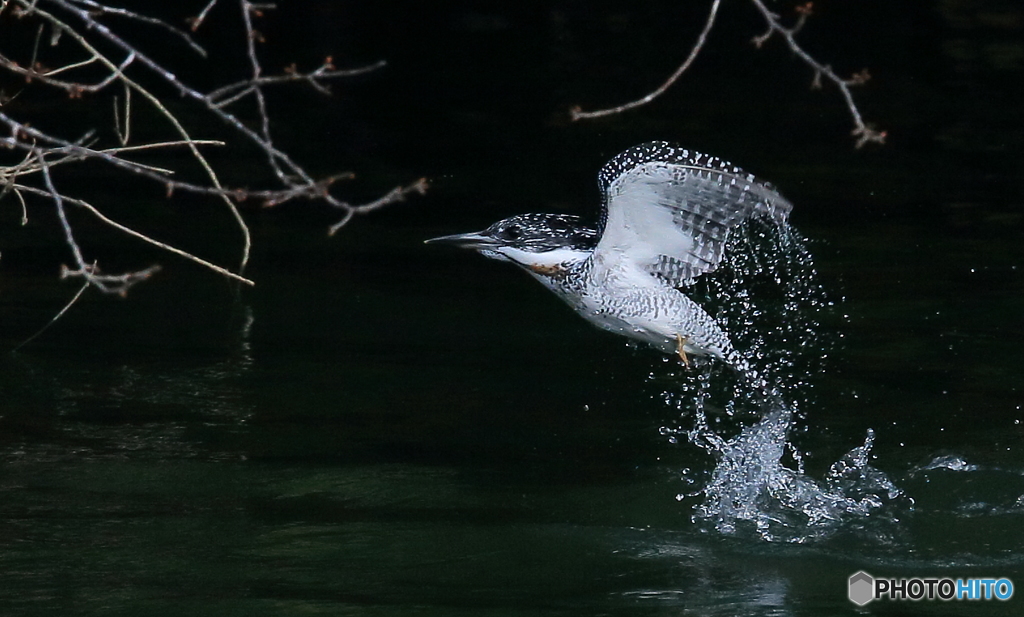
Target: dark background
x=385 y=427
x=475 y=97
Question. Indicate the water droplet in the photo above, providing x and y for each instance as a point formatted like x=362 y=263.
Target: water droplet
x=766 y=296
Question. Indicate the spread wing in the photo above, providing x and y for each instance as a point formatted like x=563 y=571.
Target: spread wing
x=669 y=210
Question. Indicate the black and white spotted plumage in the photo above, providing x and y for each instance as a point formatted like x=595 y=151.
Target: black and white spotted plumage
x=672 y=208
x=667 y=214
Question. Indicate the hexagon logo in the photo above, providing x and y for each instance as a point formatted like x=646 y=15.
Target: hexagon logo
x=862 y=586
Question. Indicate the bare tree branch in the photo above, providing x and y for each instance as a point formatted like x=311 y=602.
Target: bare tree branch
x=118 y=284
x=241 y=89
x=52 y=321
x=863 y=131
x=577 y=114
x=131 y=232
x=397 y=194
x=102 y=9
x=90 y=44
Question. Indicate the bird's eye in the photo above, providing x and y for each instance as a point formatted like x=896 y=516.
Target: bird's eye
x=512 y=232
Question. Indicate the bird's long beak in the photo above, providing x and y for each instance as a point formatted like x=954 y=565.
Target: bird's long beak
x=473 y=240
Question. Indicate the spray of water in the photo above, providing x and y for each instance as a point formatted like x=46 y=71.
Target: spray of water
x=767 y=296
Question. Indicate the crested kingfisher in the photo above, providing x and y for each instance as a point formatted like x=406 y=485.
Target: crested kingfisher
x=667 y=213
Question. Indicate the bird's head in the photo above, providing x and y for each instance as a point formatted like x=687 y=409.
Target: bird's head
x=540 y=243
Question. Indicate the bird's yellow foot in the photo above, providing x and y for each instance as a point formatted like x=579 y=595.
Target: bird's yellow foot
x=680 y=341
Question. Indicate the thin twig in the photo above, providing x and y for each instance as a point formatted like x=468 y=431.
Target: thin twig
x=58 y=201
x=167 y=76
x=257 y=71
x=97 y=44
x=197 y=21
x=119 y=283
x=123 y=136
x=577 y=114
x=399 y=193
x=146 y=19
x=74 y=151
x=141 y=236
x=60 y=314
x=312 y=190
x=862 y=131
x=245 y=87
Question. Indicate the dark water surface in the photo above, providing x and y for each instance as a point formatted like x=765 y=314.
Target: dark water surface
x=444 y=438
x=385 y=428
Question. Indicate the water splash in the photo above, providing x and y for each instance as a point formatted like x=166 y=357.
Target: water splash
x=752 y=487
x=767 y=296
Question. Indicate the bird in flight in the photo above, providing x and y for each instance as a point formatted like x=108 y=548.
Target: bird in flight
x=667 y=214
